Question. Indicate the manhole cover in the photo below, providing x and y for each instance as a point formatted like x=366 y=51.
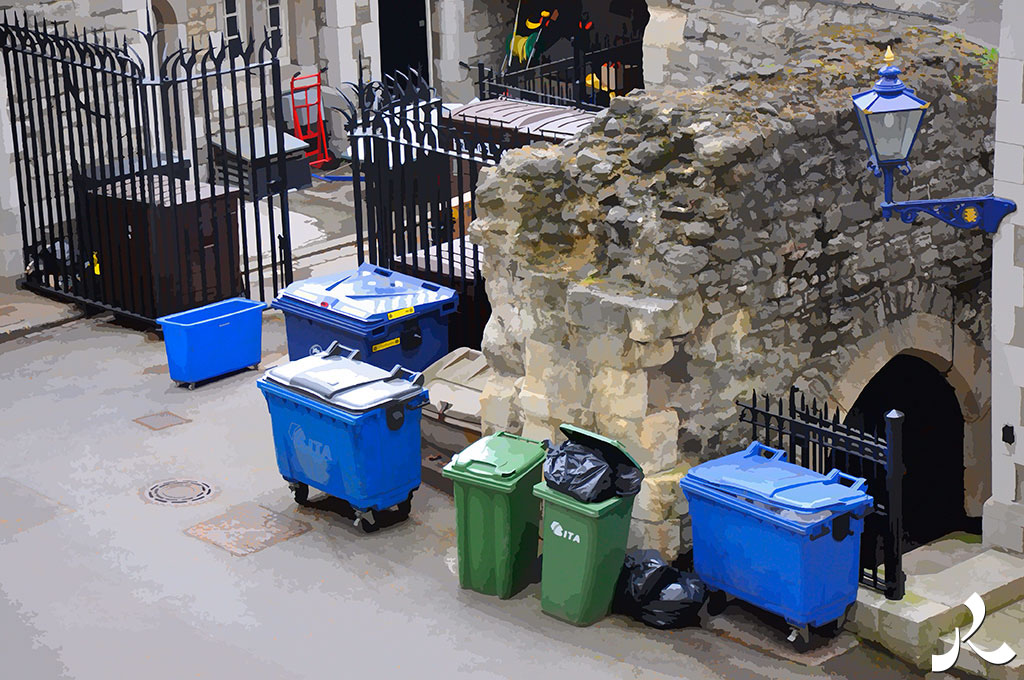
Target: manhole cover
x=179 y=492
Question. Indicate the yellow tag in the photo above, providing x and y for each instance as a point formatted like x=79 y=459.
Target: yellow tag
x=95 y=264
x=399 y=313
x=384 y=345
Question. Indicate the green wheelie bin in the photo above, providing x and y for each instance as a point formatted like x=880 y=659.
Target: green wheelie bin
x=584 y=543
x=496 y=517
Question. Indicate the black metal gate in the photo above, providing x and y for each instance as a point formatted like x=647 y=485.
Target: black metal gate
x=415 y=176
x=122 y=163
x=819 y=443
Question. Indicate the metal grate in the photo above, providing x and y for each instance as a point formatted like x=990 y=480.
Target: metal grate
x=179 y=492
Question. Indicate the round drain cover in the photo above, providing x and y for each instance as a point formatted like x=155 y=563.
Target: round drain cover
x=179 y=492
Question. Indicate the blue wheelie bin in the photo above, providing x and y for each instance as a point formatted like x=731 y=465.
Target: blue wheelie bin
x=389 y=317
x=349 y=429
x=777 y=535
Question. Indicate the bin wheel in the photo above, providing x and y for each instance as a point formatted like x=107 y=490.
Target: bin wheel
x=367 y=526
x=717 y=602
x=254 y=367
x=800 y=636
x=191 y=386
x=300 y=492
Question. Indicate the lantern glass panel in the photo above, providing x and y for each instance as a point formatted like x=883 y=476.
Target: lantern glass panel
x=893 y=133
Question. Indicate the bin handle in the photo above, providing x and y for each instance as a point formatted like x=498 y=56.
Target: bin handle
x=855 y=483
x=756 y=447
x=337 y=349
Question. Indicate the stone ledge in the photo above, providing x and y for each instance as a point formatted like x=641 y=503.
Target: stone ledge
x=912 y=627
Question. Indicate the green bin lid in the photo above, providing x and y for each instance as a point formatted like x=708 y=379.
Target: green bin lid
x=496 y=462
x=612 y=449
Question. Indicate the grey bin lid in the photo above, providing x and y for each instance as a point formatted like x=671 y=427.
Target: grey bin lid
x=458 y=379
x=352 y=385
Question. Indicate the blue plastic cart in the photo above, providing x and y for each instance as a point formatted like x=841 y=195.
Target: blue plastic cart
x=349 y=429
x=389 y=317
x=214 y=340
x=777 y=535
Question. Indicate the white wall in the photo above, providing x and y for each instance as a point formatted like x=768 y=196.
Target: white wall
x=1004 y=513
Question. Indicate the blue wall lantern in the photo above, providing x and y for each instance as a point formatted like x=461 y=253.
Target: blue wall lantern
x=890 y=118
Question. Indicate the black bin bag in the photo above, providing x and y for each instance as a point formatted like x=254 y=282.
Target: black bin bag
x=657 y=594
x=590 y=469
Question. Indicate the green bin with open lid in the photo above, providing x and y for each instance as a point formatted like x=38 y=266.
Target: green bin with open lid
x=584 y=543
x=497 y=517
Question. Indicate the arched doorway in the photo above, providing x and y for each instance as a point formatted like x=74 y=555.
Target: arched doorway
x=933 y=444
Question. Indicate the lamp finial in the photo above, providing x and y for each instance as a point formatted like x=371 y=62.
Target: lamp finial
x=889 y=56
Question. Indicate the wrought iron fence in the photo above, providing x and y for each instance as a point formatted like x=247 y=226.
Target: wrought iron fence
x=586 y=80
x=415 y=175
x=114 y=146
x=819 y=442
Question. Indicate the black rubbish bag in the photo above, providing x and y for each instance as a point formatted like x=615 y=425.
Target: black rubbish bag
x=677 y=605
x=657 y=594
x=586 y=474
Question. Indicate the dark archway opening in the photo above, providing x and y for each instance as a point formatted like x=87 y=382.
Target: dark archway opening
x=933 y=445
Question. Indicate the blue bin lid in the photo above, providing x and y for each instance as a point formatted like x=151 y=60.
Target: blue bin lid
x=760 y=473
x=337 y=377
x=369 y=294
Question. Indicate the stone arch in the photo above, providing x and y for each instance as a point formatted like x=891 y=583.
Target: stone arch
x=953 y=353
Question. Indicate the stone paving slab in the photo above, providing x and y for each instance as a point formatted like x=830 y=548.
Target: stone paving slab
x=248 y=528
x=23 y=312
x=757 y=630
x=997 y=576
x=22 y=508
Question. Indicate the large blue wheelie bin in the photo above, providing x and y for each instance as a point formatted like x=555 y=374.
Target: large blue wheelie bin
x=777 y=535
x=349 y=429
x=391 y=318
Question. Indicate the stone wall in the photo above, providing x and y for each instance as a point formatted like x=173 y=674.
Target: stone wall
x=1004 y=513
x=695 y=245
x=469 y=31
x=693 y=42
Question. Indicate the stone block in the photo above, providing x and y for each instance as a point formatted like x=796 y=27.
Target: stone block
x=591 y=307
x=499 y=407
x=661 y=536
x=653 y=318
x=1009 y=162
x=621 y=392
x=660 y=497
x=1010 y=82
x=659 y=433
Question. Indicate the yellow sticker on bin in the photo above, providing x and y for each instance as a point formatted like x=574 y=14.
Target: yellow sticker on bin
x=384 y=345
x=399 y=313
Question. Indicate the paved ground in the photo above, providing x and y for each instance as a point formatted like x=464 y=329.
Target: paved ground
x=95 y=582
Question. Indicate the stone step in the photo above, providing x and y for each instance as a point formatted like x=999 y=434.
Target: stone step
x=1005 y=625
x=912 y=627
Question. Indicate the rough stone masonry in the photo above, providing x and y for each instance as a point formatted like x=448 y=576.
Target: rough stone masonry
x=695 y=245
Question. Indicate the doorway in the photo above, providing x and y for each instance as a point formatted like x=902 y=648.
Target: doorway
x=403 y=39
x=933 y=445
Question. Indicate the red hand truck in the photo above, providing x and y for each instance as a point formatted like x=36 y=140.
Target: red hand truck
x=313 y=129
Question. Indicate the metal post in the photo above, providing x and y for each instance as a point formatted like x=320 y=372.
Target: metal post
x=577 y=72
x=895 y=580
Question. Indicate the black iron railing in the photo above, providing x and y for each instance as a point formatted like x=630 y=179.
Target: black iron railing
x=415 y=176
x=114 y=153
x=586 y=80
x=818 y=442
